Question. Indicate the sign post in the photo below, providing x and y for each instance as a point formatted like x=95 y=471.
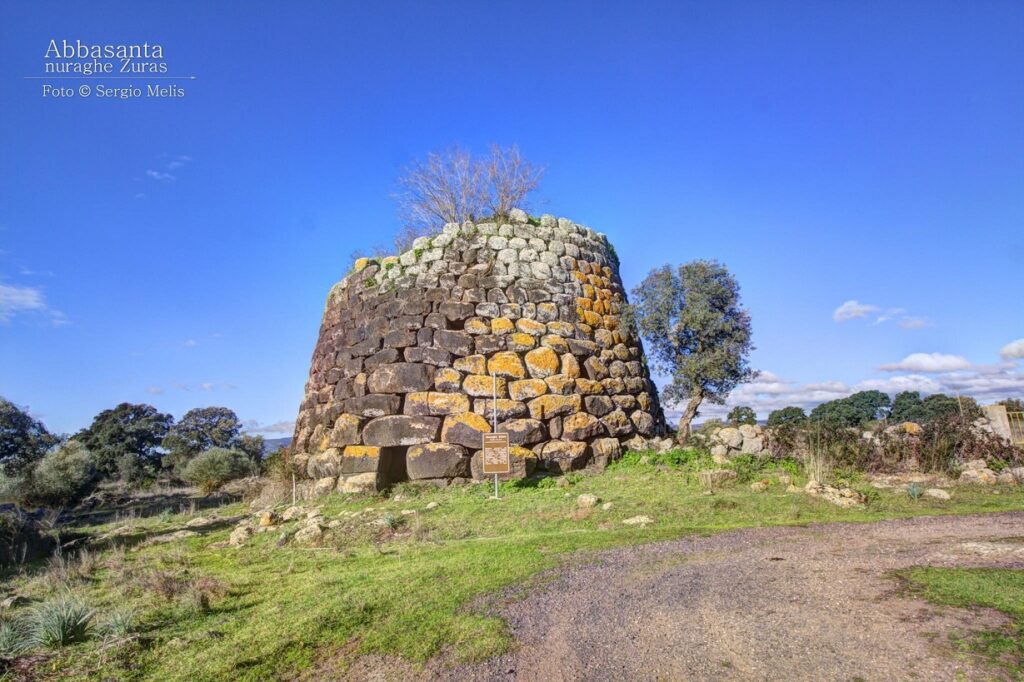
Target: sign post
x=494 y=455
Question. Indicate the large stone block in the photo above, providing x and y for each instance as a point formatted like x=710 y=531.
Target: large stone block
x=401 y=377
x=564 y=456
x=437 y=460
x=482 y=385
x=542 y=363
x=506 y=364
x=502 y=407
x=373 y=405
x=465 y=429
x=547 y=406
x=526 y=389
x=436 y=404
x=524 y=431
x=345 y=431
x=397 y=430
x=581 y=426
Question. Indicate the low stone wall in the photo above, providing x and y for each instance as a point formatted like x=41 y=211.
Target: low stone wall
x=412 y=346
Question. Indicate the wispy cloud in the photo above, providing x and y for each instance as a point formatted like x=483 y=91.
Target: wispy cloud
x=281 y=427
x=1013 y=350
x=19 y=300
x=190 y=343
x=853 y=310
x=155 y=390
x=928 y=363
x=160 y=176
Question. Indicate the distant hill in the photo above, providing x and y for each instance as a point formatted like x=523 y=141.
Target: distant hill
x=272 y=444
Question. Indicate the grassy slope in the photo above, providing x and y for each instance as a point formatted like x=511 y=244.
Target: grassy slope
x=995 y=588
x=368 y=589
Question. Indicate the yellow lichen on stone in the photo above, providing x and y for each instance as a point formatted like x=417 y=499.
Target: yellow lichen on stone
x=592 y=318
x=361 y=451
x=506 y=364
x=550 y=405
x=527 y=389
x=555 y=343
x=521 y=342
x=502 y=325
x=482 y=385
x=561 y=328
x=471 y=364
x=360 y=264
x=542 y=363
x=588 y=387
x=584 y=304
x=477 y=326
x=531 y=327
x=570 y=366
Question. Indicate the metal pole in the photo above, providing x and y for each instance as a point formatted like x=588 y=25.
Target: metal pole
x=494 y=419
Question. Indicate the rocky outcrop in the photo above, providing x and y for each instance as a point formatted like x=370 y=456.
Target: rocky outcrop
x=412 y=349
x=731 y=441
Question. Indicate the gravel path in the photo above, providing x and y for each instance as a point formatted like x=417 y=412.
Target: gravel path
x=809 y=603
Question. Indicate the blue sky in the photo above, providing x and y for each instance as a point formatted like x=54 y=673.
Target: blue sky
x=178 y=251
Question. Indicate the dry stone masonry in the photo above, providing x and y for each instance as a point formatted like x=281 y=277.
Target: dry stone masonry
x=401 y=380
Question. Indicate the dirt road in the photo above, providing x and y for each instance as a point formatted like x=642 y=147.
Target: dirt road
x=812 y=603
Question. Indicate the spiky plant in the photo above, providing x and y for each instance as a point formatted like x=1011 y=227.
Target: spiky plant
x=61 y=621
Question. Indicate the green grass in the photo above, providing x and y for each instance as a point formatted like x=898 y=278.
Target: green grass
x=424 y=588
x=995 y=588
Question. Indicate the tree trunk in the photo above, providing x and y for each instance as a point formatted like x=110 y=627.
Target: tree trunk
x=688 y=414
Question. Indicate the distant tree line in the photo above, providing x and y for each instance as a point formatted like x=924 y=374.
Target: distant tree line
x=131 y=443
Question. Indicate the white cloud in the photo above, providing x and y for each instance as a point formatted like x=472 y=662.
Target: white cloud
x=928 y=362
x=914 y=323
x=159 y=176
x=155 y=390
x=852 y=310
x=984 y=383
x=282 y=427
x=208 y=386
x=16 y=300
x=1013 y=350
x=190 y=343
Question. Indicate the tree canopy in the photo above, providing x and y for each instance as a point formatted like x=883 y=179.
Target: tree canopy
x=741 y=414
x=200 y=429
x=696 y=332
x=23 y=440
x=787 y=416
x=853 y=410
x=127 y=429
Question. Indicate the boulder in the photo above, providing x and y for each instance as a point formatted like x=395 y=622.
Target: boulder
x=715 y=478
x=506 y=364
x=547 y=406
x=752 y=446
x=239 y=536
x=542 y=363
x=323 y=486
x=437 y=460
x=587 y=501
x=563 y=455
x=435 y=403
x=638 y=520
x=523 y=431
x=502 y=407
x=401 y=377
x=394 y=430
x=527 y=389
x=606 y=451
x=618 y=424
x=345 y=431
x=465 y=429
x=643 y=422
x=327 y=463
x=731 y=437
x=358 y=483
x=581 y=426
x=937 y=493
x=983 y=476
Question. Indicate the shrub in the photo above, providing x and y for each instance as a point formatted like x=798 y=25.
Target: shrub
x=61 y=622
x=213 y=468
x=63 y=476
x=119 y=624
x=15 y=638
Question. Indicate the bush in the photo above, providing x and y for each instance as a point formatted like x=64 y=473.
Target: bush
x=62 y=477
x=61 y=622
x=213 y=468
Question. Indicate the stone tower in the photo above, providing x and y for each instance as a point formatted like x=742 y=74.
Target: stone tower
x=412 y=346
